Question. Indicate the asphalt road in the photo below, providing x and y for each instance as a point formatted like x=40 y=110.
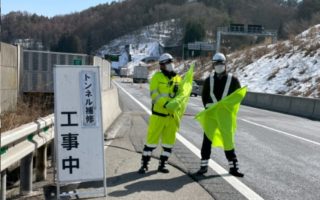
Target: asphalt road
x=278 y=153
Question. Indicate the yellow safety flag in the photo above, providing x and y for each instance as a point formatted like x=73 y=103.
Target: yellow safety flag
x=178 y=105
x=219 y=121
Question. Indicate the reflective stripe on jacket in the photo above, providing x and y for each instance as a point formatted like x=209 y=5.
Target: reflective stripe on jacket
x=217 y=88
x=162 y=90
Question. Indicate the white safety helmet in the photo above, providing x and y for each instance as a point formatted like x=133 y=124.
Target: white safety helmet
x=165 y=58
x=219 y=57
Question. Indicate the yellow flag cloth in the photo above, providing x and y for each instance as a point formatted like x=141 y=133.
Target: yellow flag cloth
x=177 y=105
x=219 y=121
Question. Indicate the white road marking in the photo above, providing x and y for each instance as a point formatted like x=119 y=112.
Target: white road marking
x=234 y=182
x=111 y=135
x=281 y=132
x=194 y=105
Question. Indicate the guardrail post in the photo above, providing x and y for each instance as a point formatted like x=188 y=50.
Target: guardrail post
x=3 y=185
x=26 y=166
x=41 y=163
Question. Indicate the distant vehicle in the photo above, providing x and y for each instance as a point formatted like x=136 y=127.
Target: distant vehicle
x=195 y=89
x=113 y=72
x=124 y=72
x=140 y=74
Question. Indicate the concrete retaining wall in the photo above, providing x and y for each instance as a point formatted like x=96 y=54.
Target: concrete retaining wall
x=110 y=107
x=299 y=106
x=316 y=112
x=105 y=72
x=9 y=76
x=109 y=94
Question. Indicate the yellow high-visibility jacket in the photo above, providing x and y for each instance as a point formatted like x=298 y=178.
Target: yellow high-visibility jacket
x=162 y=91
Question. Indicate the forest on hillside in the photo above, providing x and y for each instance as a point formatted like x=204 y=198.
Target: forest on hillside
x=88 y=30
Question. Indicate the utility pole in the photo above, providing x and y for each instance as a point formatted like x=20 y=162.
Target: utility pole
x=3 y=175
x=0 y=25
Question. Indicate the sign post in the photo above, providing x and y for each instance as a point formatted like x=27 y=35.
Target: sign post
x=79 y=141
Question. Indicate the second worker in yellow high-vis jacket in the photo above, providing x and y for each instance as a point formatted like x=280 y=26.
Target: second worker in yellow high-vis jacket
x=162 y=125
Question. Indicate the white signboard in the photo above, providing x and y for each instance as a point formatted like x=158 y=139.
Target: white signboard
x=207 y=47
x=204 y=46
x=193 y=46
x=79 y=140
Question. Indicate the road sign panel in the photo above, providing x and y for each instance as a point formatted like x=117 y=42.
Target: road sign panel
x=78 y=124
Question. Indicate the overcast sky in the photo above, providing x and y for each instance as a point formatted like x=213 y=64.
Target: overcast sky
x=49 y=8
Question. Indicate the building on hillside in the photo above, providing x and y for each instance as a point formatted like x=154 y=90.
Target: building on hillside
x=120 y=58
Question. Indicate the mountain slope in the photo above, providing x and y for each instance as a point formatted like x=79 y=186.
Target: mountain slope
x=289 y=67
x=166 y=32
x=100 y=24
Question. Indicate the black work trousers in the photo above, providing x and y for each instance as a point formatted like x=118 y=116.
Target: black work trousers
x=206 y=150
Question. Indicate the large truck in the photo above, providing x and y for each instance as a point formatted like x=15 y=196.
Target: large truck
x=124 y=72
x=140 y=74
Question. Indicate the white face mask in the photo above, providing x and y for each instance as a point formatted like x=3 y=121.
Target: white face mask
x=170 y=67
x=219 y=68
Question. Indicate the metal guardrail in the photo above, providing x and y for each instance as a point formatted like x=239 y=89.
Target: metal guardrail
x=19 y=144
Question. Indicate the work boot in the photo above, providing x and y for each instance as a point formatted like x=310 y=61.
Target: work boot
x=162 y=166
x=203 y=166
x=163 y=169
x=143 y=169
x=234 y=169
x=144 y=164
x=202 y=170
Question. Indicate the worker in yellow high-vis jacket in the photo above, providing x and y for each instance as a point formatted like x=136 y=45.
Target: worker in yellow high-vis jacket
x=162 y=125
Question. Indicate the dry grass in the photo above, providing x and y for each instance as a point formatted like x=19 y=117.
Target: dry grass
x=313 y=32
x=294 y=43
x=312 y=50
x=281 y=49
x=291 y=81
x=302 y=45
x=207 y=66
x=261 y=51
x=306 y=80
x=273 y=74
x=296 y=93
x=281 y=92
x=28 y=109
x=309 y=92
x=248 y=57
x=318 y=87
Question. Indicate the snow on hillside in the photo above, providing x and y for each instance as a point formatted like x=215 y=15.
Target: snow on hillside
x=144 y=43
x=163 y=33
x=290 y=67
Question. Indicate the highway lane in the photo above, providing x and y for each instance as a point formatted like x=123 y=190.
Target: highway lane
x=277 y=162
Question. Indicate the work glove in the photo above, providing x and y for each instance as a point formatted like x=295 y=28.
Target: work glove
x=172 y=106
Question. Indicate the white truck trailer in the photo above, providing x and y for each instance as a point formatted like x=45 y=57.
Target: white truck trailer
x=124 y=72
x=140 y=74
